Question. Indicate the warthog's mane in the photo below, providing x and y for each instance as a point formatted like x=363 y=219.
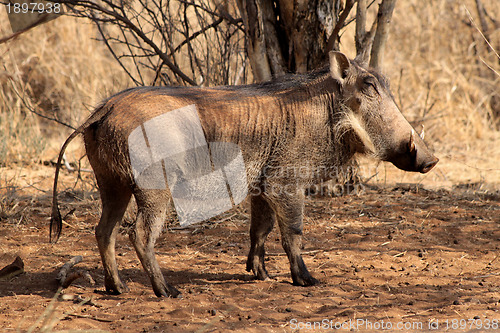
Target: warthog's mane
x=284 y=82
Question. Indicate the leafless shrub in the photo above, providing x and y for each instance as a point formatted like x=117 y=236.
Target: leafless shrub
x=164 y=42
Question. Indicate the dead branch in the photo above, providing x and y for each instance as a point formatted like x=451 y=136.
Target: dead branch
x=384 y=16
x=199 y=32
x=66 y=277
x=111 y=50
x=485 y=39
x=363 y=39
x=63 y=272
x=71 y=277
x=333 y=41
x=220 y=14
x=481 y=12
x=123 y=19
x=142 y=42
x=42 y=19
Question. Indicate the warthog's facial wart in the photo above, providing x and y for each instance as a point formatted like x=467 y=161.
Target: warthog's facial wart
x=204 y=179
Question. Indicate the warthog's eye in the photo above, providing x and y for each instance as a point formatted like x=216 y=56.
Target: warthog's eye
x=369 y=82
x=369 y=85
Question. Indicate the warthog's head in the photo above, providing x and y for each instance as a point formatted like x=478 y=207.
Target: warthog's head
x=368 y=110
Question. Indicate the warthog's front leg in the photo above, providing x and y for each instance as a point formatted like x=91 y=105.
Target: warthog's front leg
x=262 y=222
x=289 y=214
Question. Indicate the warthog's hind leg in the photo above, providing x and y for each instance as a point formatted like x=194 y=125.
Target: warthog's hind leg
x=150 y=219
x=114 y=203
x=262 y=222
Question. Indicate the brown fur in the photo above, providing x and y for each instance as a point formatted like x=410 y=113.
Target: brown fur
x=310 y=123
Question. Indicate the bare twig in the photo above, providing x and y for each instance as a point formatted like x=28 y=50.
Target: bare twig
x=41 y=19
x=113 y=53
x=120 y=15
x=221 y=14
x=485 y=39
x=32 y=110
x=481 y=12
x=143 y=40
x=63 y=272
x=71 y=277
x=334 y=37
x=488 y=65
x=199 y=32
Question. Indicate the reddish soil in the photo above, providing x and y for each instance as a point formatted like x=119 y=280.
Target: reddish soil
x=399 y=255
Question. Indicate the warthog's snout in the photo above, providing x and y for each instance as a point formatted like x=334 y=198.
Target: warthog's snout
x=429 y=165
x=414 y=155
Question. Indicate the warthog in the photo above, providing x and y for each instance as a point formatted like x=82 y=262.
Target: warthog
x=314 y=123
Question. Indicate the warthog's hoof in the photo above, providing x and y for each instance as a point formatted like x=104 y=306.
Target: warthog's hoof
x=118 y=289
x=257 y=267
x=167 y=291
x=260 y=273
x=305 y=281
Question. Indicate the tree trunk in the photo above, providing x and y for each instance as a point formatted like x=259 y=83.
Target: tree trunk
x=287 y=36
x=252 y=15
x=383 y=21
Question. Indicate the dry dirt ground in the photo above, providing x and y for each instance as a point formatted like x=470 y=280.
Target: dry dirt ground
x=398 y=258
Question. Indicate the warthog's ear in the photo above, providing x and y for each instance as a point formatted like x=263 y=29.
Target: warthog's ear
x=339 y=64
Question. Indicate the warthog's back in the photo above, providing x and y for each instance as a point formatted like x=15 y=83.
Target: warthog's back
x=245 y=116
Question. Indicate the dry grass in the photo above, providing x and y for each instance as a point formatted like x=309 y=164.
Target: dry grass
x=449 y=86
x=58 y=70
x=435 y=59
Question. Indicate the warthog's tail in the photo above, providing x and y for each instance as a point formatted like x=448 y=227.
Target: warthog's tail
x=55 y=218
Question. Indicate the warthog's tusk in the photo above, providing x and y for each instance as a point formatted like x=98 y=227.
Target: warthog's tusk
x=422 y=134
x=411 y=144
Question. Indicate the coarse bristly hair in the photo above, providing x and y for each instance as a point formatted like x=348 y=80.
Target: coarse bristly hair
x=350 y=122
